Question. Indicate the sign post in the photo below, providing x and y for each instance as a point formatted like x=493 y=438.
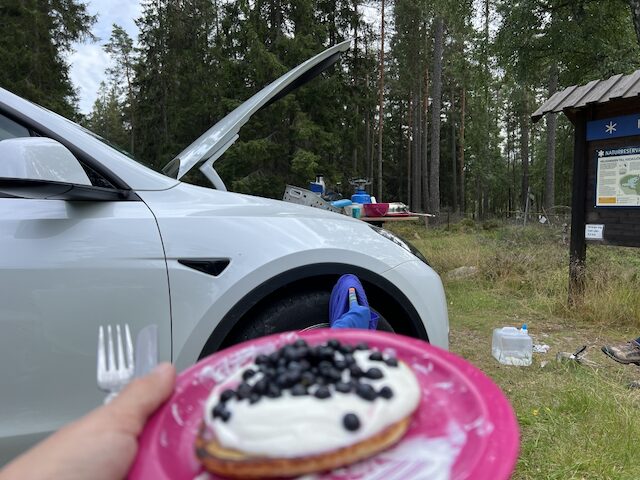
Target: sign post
x=605 y=202
x=577 y=245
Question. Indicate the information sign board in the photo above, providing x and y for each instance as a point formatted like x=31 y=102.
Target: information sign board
x=618 y=177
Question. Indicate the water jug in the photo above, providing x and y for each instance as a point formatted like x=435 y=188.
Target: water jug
x=512 y=346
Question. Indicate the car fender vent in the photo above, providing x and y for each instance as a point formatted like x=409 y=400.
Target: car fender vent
x=210 y=266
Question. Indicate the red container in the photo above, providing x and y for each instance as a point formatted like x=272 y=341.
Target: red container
x=375 y=209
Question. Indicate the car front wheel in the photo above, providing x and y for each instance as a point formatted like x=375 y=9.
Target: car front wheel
x=306 y=310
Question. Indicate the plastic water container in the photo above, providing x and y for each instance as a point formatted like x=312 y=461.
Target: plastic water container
x=512 y=346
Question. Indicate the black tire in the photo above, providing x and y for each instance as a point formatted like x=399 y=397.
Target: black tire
x=304 y=310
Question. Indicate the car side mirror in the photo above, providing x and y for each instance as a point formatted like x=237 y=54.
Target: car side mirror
x=40 y=158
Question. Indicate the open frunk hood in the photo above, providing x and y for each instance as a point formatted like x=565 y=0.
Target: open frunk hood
x=215 y=141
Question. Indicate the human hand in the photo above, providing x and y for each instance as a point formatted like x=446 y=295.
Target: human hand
x=101 y=445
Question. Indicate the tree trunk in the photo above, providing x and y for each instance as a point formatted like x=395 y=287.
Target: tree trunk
x=635 y=13
x=509 y=159
x=552 y=122
x=434 y=187
x=416 y=191
x=355 y=84
x=368 y=141
x=409 y=164
x=424 y=182
x=463 y=100
x=524 y=149
x=381 y=103
x=454 y=179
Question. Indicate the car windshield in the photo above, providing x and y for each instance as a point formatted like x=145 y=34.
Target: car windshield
x=96 y=136
x=107 y=142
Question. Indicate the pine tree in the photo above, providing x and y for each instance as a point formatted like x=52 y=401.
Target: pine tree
x=35 y=37
x=120 y=49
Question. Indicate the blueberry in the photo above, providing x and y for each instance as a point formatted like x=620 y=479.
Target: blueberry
x=362 y=346
x=274 y=357
x=247 y=374
x=351 y=422
x=366 y=391
x=299 y=390
x=261 y=359
x=322 y=392
x=348 y=358
x=333 y=343
x=260 y=387
x=391 y=361
x=374 y=373
x=282 y=381
x=294 y=376
x=303 y=352
x=344 y=348
x=385 y=392
x=376 y=357
x=340 y=364
x=282 y=362
x=324 y=364
x=254 y=398
x=307 y=378
x=333 y=375
x=273 y=391
x=243 y=391
x=304 y=365
x=355 y=371
x=290 y=353
x=294 y=365
x=220 y=411
x=326 y=353
x=269 y=373
x=300 y=343
x=343 y=387
x=227 y=395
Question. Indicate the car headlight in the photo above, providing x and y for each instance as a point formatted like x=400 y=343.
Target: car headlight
x=400 y=242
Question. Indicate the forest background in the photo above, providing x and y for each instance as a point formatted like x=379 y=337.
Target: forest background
x=432 y=102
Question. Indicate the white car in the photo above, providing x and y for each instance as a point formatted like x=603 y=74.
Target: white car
x=90 y=237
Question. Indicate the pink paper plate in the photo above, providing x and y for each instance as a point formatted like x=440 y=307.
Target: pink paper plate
x=464 y=427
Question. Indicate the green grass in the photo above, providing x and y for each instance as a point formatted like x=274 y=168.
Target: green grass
x=577 y=422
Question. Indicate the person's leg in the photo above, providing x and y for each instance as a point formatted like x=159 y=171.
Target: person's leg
x=344 y=313
x=628 y=352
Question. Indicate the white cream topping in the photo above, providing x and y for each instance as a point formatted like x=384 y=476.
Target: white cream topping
x=291 y=426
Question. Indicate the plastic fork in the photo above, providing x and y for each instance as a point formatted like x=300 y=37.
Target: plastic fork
x=112 y=376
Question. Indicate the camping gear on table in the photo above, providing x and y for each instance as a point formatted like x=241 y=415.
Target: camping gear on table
x=375 y=209
x=302 y=196
x=361 y=195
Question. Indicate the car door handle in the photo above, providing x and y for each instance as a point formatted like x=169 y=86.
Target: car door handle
x=210 y=266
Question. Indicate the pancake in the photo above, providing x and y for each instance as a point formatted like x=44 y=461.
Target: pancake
x=305 y=409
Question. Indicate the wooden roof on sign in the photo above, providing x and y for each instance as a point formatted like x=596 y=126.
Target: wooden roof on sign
x=596 y=92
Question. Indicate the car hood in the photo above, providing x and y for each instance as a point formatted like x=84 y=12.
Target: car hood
x=215 y=141
x=187 y=200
